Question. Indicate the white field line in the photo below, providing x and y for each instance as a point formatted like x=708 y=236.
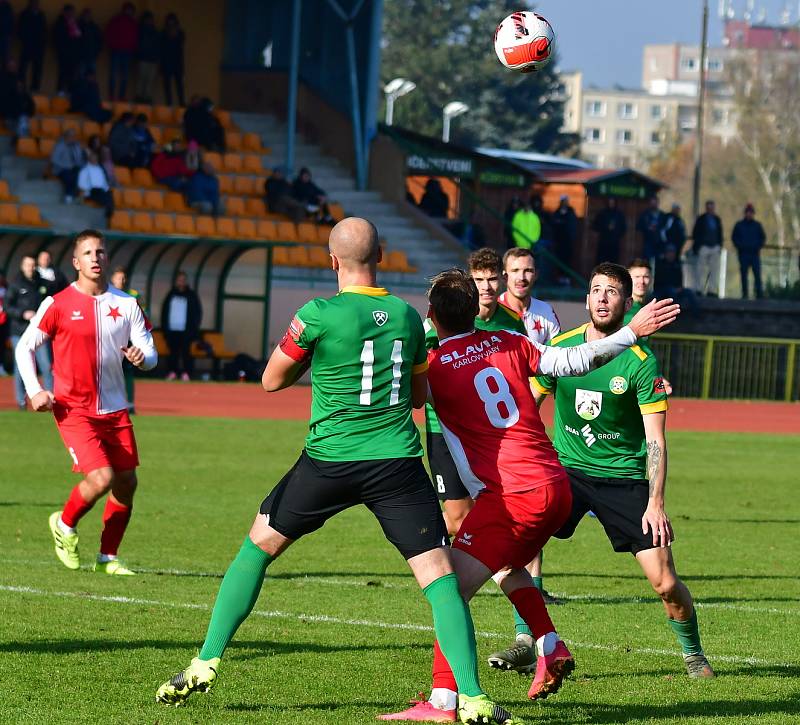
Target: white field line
x=491 y=592
x=326 y=619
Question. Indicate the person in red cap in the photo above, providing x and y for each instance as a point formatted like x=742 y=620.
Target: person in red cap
x=748 y=238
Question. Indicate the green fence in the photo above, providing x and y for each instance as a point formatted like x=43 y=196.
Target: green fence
x=701 y=366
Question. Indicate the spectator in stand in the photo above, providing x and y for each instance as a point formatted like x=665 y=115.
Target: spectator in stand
x=122 y=141
x=279 y=199
x=668 y=280
x=52 y=279
x=172 y=42
x=169 y=167
x=94 y=185
x=66 y=161
x=307 y=192
x=707 y=244
x=193 y=158
x=91 y=43
x=508 y=217
x=434 y=201
x=19 y=107
x=544 y=247
x=181 y=316
x=610 y=227
x=67 y=42
x=565 y=232
x=673 y=231
x=148 y=53
x=526 y=227
x=201 y=125
x=32 y=32
x=122 y=37
x=85 y=98
x=145 y=143
x=108 y=166
x=6 y=30
x=649 y=226
x=23 y=298
x=202 y=191
x=3 y=324
x=748 y=237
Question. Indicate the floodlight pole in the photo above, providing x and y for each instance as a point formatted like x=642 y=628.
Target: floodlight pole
x=701 y=106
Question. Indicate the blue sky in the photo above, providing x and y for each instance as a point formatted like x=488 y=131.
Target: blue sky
x=604 y=38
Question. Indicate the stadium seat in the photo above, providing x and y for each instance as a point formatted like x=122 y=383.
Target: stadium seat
x=46 y=146
x=50 y=128
x=89 y=129
x=233 y=141
x=298 y=257
x=232 y=163
x=252 y=164
x=224 y=117
x=214 y=160
x=234 y=206
x=142 y=223
x=164 y=223
x=35 y=127
x=323 y=234
x=132 y=199
x=266 y=230
x=29 y=216
x=319 y=258
x=336 y=211
x=118 y=196
x=143 y=177
x=28 y=147
x=153 y=200
x=280 y=256
x=254 y=207
x=5 y=192
x=399 y=262
x=42 y=104
x=59 y=105
x=157 y=134
x=204 y=226
x=252 y=142
x=245 y=186
x=123 y=174
x=9 y=214
x=246 y=229
x=163 y=115
x=307 y=233
x=144 y=108
x=184 y=224
x=225 y=184
x=121 y=221
x=120 y=107
x=72 y=124
x=286 y=232
x=225 y=228
x=173 y=201
x=160 y=343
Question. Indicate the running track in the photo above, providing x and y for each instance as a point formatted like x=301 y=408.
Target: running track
x=243 y=400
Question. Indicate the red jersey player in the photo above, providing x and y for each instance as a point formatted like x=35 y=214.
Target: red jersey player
x=92 y=327
x=479 y=383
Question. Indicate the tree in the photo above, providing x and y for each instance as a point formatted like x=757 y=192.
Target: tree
x=446 y=48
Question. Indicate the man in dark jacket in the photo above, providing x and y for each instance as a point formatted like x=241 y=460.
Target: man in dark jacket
x=52 y=280
x=6 y=30
x=610 y=226
x=748 y=238
x=67 y=42
x=565 y=231
x=673 y=230
x=23 y=298
x=122 y=38
x=91 y=42
x=649 y=227
x=707 y=244
x=279 y=197
x=32 y=32
x=315 y=199
x=181 y=316
x=122 y=141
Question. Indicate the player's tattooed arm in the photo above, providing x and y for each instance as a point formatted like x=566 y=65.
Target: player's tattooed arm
x=655 y=520
x=654 y=455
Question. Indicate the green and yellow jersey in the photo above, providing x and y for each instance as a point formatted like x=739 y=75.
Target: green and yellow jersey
x=635 y=307
x=365 y=345
x=598 y=416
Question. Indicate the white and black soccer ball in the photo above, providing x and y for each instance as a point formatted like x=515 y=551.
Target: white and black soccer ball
x=524 y=41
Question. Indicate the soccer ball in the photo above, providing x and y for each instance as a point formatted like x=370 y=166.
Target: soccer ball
x=524 y=41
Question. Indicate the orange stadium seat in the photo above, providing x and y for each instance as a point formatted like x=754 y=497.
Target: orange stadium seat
x=160 y=343
x=117 y=194
x=132 y=199
x=173 y=201
x=29 y=216
x=121 y=221
x=280 y=256
x=267 y=230
x=28 y=147
x=46 y=146
x=214 y=160
x=123 y=174
x=225 y=184
x=318 y=257
x=164 y=223
x=246 y=229
x=287 y=232
x=143 y=177
x=177 y=115
x=5 y=192
x=153 y=200
x=89 y=129
x=184 y=224
x=142 y=223
x=157 y=134
x=50 y=128
x=232 y=163
x=204 y=226
x=252 y=164
x=323 y=234
x=245 y=186
x=42 y=104
x=224 y=117
x=399 y=262
x=234 y=206
x=9 y=214
x=163 y=115
x=120 y=107
x=307 y=233
x=73 y=124
x=298 y=257
x=144 y=108
x=233 y=141
x=255 y=207
x=336 y=211
x=35 y=127
x=251 y=142
x=225 y=228
x=59 y=105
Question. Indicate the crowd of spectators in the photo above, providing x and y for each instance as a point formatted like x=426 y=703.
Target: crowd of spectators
x=300 y=200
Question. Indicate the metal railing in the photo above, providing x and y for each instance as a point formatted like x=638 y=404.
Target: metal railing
x=705 y=366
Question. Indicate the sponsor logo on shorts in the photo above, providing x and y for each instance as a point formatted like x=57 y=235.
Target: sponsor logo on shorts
x=588 y=436
x=380 y=317
x=658 y=385
x=588 y=403
x=618 y=385
x=465 y=539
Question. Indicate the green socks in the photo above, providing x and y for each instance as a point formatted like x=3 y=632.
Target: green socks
x=519 y=623
x=452 y=623
x=688 y=634
x=237 y=595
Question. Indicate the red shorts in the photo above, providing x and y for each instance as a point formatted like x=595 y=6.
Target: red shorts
x=98 y=441
x=509 y=529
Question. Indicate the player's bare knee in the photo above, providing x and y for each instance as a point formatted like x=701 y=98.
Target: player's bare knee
x=99 y=481
x=666 y=586
x=123 y=486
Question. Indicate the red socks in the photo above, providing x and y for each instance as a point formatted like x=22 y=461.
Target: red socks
x=531 y=608
x=442 y=674
x=115 y=521
x=75 y=508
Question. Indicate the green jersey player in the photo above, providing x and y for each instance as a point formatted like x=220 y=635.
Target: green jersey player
x=366 y=351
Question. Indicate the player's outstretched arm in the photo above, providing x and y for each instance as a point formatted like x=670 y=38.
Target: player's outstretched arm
x=654 y=316
x=655 y=518
x=282 y=371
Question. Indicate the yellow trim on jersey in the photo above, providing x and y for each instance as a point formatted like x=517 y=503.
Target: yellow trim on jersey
x=538 y=387
x=641 y=354
x=515 y=315
x=361 y=290
x=569 y=333
x=421 y=368
x=660 y=406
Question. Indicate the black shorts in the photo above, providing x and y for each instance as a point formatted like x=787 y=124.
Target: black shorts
x=443 y=469
x=397 y=490
x=618 y=503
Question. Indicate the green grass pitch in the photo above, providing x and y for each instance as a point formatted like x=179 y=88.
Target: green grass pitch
x=341 y=632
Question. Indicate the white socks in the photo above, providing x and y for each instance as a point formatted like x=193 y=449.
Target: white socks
x=443 y=699
x=105 y=558
x=64 y=528
x=546 y=644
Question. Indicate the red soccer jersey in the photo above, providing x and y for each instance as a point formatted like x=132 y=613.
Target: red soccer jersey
x=479 y=383
x=88 y=335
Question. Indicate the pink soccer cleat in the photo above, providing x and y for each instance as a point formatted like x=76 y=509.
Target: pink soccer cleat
x=421 y=711
x=551 y=671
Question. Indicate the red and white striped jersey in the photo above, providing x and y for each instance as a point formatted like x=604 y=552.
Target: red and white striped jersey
x=88 y=335
x=540 y=319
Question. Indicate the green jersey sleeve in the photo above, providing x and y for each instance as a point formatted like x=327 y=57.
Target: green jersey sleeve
x=650 y=391
x=420 y=358
x=431 y=343
x=544 y=384
x=305 y=327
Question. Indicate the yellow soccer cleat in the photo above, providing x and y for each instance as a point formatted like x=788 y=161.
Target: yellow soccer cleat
x=480 y=709
x=114 y=567
x=66 y=544
x=199 y=676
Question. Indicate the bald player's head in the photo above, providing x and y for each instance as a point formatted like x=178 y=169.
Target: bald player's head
x=354 y=242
